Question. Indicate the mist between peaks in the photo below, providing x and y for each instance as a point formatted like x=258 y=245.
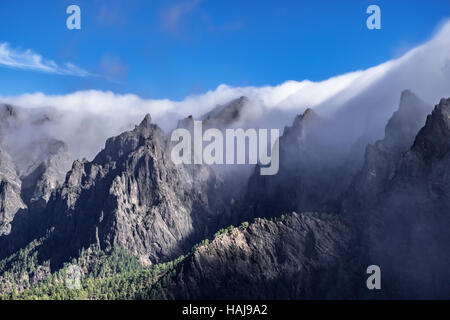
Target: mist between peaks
x=238 y=147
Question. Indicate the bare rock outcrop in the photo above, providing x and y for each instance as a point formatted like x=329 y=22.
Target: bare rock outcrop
x=133 y=196
x=300 y=257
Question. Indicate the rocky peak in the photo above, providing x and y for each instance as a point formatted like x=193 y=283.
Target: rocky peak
x=404 y=124
x=7 y=113
x=49 y=172
x=123 y=144
x=304 y=176
x=309 y=114
x=226 y=114
x=10 y=185
x=146 y=122
x=409 y=222
x=407 y=98
x=132 y=196
x=304 y=126
x=6 y=165
x=433 y=139
x=186 y=123
x=221 y=117
x=382 y=158
x=8 y=110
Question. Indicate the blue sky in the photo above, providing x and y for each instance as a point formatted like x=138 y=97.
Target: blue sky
x=171 y=49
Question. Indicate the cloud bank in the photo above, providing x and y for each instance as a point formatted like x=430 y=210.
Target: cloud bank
x=357 y=103
x=29 y=60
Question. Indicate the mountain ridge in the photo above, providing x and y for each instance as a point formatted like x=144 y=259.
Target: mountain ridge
x=132 y=197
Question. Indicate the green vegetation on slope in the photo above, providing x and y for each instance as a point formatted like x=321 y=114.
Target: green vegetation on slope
x=114 y=275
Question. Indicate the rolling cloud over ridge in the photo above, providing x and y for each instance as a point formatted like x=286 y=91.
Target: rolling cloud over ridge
x=359 y=100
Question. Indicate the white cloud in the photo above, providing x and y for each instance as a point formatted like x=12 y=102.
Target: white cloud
x=358 y=102
x=29 y=60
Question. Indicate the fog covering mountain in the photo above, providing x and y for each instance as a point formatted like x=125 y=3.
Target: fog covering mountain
x=394 y=213
x=363 y=180
x=359 y=102
x=318 y=224
x=409 y=227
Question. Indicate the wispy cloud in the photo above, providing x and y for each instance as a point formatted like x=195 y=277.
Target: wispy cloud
x=173 y=15
x=30 y=60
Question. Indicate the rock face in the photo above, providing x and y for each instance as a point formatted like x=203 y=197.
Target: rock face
x=306 y=178
x=43 y=176
x=30 y=170
x=10 y=199
x=408 y=230
x=224 y=115
x=298 y=258
x=234 y=178
x=133 y=196
x=381 y=159
x=398 y=202
x=221 y=117
x=10 y=184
